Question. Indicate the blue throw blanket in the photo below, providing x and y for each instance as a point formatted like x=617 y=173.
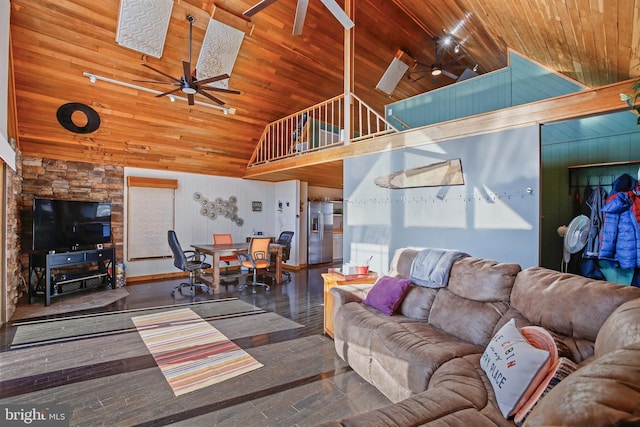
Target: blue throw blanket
x=430 y=268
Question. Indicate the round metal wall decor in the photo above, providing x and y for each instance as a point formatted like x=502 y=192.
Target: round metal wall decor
x=65 y=112
x=219 y=208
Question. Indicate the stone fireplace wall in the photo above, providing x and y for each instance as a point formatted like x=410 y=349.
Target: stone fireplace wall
x=16 y=286
x=60 y=179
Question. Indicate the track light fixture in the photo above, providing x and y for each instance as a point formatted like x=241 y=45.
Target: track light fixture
x=94 y=77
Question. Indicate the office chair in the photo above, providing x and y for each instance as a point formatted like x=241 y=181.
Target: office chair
x=187 y=261
x=285 y=240
x=225 y=239
x=257 y=257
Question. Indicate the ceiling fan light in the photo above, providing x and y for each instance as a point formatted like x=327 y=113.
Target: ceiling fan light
x=436 y=72
x=189 y=90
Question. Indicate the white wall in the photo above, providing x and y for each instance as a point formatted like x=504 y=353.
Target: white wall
x=7 y=153
x=287 y=207
x=193 y=228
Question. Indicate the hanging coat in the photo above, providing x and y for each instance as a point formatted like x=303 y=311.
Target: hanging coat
x=620 y=235
x=595 y=202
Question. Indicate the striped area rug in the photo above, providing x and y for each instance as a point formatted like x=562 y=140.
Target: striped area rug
x=190 y=352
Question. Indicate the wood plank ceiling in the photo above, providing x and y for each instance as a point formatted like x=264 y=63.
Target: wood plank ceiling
x=596 y=42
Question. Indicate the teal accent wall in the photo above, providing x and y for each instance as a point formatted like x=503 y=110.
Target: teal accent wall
x=608 y=138
x=522 y=82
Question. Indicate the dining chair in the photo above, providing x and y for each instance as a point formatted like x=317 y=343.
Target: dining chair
x=285 y=239
x=225 y=239
x=187 y=261
x=256 y=258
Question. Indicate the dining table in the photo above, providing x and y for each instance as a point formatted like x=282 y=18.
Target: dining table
x=232 y=249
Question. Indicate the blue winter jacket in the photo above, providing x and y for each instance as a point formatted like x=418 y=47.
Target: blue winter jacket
x=620 y=235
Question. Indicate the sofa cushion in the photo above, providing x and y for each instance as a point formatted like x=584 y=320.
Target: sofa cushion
x=469 y=320
x=406 y=354
x=579 y=349
x=542 y=296
x=604 y=392
x=437 y=408
x=354 y=325
x=482 y=280
x=417 y=302
x=402 y=261
x=514 y=367
x=387 y=294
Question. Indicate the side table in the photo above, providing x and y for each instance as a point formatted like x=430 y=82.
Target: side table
x=332 y=279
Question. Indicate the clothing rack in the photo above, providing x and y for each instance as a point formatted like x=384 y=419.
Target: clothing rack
x=604 y=180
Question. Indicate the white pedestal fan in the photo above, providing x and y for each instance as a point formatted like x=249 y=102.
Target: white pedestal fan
x=575 y=238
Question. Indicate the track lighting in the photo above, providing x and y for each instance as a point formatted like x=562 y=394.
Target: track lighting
x=456 y=49
x=172 y=98
x=94 y=77
x=475 y=68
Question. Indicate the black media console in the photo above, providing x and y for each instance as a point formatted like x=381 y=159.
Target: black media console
x=55 y=274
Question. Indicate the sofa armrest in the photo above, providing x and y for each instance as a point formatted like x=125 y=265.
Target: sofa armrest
x=349 y=293
x=602 y=393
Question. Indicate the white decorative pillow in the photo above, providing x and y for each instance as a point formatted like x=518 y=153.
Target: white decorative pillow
x=513 y=367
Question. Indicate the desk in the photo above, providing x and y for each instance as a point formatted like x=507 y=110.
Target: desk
x=231 y=249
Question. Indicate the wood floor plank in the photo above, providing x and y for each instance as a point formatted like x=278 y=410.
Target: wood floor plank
x=113 y=379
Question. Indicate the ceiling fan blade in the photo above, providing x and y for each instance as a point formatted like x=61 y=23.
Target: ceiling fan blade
x=186 y=69
x=213 y=79
x=160 y=72
x=456 y=59
x=436 y=40
x=191 y=99
x=219 y=89
x=213 y=98
x=420 y=76
x=448 y=74
x=339 y=14
x=301 y=14
x=168 y=92
x=258 y=7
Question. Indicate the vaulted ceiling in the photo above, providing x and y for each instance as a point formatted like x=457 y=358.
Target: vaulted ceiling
x=595 y=42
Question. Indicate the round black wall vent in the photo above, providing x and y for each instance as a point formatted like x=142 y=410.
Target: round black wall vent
x=65 y=112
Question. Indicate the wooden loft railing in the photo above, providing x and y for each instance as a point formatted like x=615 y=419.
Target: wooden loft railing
x=317 y=128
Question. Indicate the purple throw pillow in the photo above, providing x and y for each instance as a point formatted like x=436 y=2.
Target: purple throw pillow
x=387 y=294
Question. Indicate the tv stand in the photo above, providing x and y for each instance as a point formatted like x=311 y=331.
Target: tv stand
x=55 y=274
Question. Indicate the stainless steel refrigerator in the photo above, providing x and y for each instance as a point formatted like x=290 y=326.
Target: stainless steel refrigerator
x=320 y=235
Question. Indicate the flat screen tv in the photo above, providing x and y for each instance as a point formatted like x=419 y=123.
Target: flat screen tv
x=70 y=224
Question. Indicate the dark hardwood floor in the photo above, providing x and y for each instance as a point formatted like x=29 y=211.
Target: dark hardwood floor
x=111 y=379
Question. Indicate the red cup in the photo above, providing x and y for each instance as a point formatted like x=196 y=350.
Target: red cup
x=362 y=269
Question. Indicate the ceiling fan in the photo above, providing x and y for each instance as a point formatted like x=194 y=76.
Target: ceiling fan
x=301 y=13
x=188 y=84
x=420 y=70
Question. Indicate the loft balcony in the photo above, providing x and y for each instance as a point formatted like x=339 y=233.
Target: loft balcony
x=319 y=127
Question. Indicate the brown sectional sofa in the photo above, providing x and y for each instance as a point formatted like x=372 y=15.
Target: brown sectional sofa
x=426 y=357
